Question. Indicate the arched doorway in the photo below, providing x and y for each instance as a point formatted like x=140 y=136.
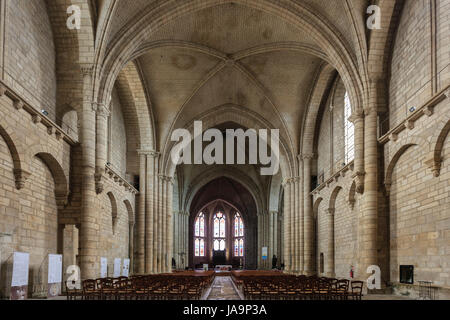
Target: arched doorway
x=222 y=226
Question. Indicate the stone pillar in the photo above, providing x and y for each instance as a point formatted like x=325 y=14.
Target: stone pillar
x=357 y=118
x=186 y=237
x=275 y=235
x=259 y=242
x=160 y=225
x=330 y=271
x=271 y=236
x=169 y=219
x=369 y=216
x=286 y=225
x=176 y=240
x=149 y=227
x=89 y=261
x=301 y=216
x=156 y=210
x=101 y=145
x=308 y=216
x=140 y=263
x=131 y=245
x=297 y=226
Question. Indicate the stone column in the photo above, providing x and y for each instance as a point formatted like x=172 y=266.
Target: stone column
x=271 y=236
x=169 y=223
x=149 y=227
x=286 y=225
x=308 y=216
x=186 y=238
x=140 y=263
x=131 y=245
x=176 y=240
x=295 y=224
x=330 y=271
x=259 y=242
x=301 y=216
x=275 y=235
x=89 y=255
x=369 y=217
x=156 y=210
x=357 y=118
x=160 y=225
x=101 y=145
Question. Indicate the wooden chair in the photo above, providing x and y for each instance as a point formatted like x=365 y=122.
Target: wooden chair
x=90 y=291
x=356 y=290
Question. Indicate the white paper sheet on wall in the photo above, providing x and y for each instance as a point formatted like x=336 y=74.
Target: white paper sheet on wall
x=20 y=269
x=54 y=268
x=126 y=267
x=117 y=264
x=103 y=267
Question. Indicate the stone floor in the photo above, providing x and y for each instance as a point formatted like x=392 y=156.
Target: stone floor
x=223 y=289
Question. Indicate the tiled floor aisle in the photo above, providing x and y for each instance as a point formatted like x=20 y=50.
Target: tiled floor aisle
x=223 y=289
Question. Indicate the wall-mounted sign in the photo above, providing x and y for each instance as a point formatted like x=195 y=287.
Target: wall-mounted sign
x=126 y=267
x=19 y=283
x=264 y=253
x=117 y=265
x=54 y=275
x=103 y=267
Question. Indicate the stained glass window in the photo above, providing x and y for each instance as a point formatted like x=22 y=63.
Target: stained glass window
x=349 y=131
x=202 y=247
x=216 y=245
x=199 y=233
x=219 y=231
x=197 y=247
x=238 y=235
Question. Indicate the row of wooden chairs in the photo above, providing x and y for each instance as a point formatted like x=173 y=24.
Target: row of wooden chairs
x=290 y=287
x=143 y=287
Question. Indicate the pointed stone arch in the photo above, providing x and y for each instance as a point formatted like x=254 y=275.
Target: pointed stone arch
x=438 y=147
x=114 y=213
x=392 y=163
x=20 y=175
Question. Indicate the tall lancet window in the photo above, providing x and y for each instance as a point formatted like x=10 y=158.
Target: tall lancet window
x=199 y=235
x=219 y=231
x=349 y=131
x=238 y=235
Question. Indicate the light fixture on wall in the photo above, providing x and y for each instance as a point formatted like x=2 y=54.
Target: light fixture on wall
x=412 y=109
x=108 y=164
x=44 y=112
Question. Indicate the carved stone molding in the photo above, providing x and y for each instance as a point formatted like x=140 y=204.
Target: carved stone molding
x=359 y=181
x=307 y=156
x=86 y=69
x=18 y=104
x=21 y=177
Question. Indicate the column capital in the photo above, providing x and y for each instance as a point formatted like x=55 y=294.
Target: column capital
x=152 y=153
x=166 y=178
x=307 y=156
x=330 y=211
x=356 y=116
x=101 y=109
x=86 y=69
x=286 y=181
